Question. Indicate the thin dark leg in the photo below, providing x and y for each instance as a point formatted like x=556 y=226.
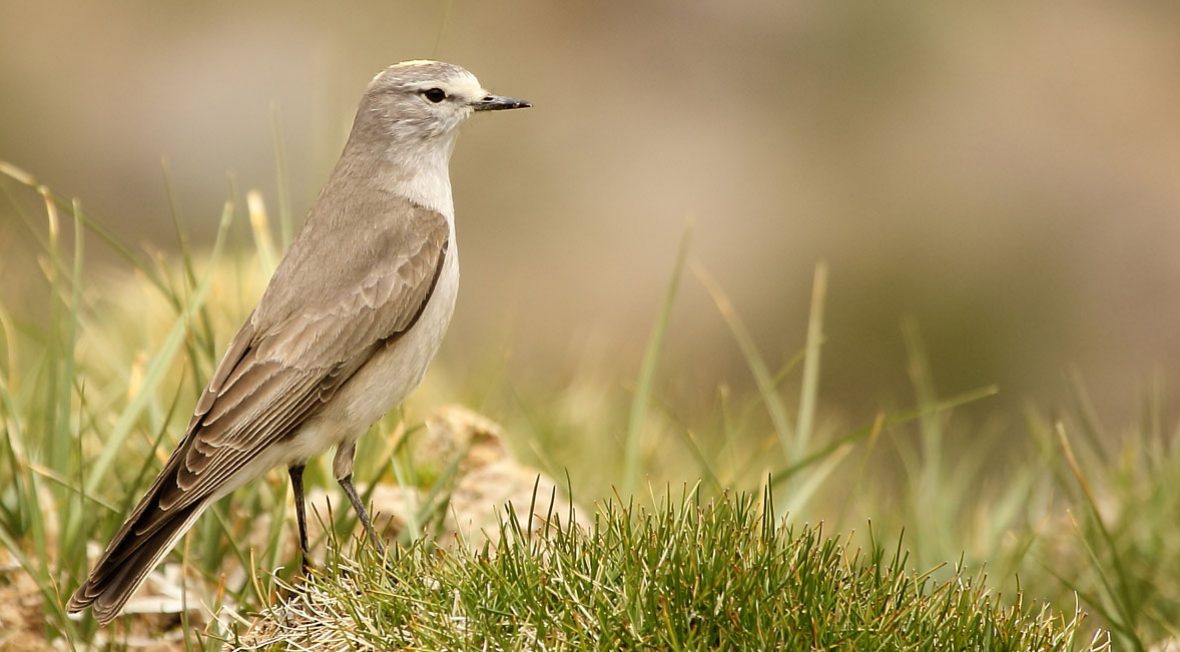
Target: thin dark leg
x=346 y=482
x=296 y=473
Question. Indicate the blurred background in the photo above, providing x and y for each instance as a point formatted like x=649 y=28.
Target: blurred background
x=1003 y=173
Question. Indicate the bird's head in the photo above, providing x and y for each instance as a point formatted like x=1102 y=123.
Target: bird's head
x=426 y=100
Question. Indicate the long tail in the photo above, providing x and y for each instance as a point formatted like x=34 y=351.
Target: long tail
x=139 y=545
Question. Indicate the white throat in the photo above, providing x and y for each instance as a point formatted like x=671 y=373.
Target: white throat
x=427 y=181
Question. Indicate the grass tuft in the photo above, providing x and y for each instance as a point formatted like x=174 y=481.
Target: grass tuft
x=686 y=574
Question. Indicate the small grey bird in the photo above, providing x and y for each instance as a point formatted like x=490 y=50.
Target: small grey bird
x=347 y=326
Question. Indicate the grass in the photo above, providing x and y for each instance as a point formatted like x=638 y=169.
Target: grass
x=1066 y=514
x=687 y=574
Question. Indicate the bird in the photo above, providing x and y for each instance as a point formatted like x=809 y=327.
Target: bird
x=348 y=324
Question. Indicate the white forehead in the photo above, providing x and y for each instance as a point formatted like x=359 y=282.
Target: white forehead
x=422 y=74
x=463 y=83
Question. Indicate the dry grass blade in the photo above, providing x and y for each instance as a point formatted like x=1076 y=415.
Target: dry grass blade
x=260 y=228
x=754 y=360
x=809 y=394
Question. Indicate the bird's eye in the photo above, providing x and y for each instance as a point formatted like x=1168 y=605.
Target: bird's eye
x=435 y=95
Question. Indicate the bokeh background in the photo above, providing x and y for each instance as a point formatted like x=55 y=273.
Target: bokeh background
x=1007 y=174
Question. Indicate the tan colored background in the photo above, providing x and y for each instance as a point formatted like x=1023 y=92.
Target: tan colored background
x=1007 y=173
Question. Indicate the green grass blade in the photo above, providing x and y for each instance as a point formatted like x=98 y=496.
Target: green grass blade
x=1119 y=593
x=647 y=373
x=972 y=396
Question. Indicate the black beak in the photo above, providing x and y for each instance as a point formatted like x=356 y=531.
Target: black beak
x=498 y=103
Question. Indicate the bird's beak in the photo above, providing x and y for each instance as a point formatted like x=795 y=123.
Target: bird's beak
x=498 y=103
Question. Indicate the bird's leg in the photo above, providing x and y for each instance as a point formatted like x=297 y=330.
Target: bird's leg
x=296 y=473
x=342 y=468
x=361 y=513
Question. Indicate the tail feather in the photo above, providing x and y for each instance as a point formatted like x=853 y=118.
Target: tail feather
x=139 y=545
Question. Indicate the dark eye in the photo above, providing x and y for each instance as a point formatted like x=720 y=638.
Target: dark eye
x=435 y=95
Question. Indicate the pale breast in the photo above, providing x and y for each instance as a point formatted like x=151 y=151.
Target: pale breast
x=394 y=371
